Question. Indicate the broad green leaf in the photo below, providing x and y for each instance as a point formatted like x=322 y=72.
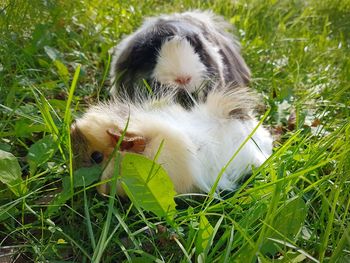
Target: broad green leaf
x=10 y=173
x=148 y=185
x=286 y=224
x=41 y=151
x=294 y=212
x=25 y=128
x=204 y=234
x=86 y=175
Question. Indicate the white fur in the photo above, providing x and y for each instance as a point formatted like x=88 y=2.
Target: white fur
x=197 y=143
x=177 y=59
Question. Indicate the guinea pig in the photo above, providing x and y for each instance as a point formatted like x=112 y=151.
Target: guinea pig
x=197 y=143
x=181 y=53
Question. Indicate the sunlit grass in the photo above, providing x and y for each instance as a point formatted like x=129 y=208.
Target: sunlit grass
x=294 y=207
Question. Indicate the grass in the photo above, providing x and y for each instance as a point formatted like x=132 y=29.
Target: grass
x=295 y=208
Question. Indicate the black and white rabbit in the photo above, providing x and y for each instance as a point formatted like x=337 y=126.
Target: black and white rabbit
x=198 y=142
x=181 y=53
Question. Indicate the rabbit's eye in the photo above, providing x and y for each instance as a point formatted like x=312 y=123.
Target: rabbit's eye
x=97 y=157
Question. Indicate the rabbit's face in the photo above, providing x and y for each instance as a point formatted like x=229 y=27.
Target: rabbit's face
x=179 y=66
x=94 y=138
x=169 y=56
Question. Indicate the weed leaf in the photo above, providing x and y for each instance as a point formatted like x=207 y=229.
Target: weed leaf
x=204 y=234
x=25 y=128
x=85 y=176
x=286 y=224
x=40 y=152
x=148 y=185
x=10 y=173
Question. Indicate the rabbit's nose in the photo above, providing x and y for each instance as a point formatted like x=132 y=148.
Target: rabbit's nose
x=183 y=80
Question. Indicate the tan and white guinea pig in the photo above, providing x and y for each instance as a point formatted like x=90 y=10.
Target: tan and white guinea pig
x=198 y=142
x=181 y=53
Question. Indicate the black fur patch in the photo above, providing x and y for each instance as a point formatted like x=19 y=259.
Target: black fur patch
x=139 y=60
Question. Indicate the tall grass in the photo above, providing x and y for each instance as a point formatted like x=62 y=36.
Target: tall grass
x=294 y=208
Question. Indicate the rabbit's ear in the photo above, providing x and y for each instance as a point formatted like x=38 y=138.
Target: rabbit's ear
x=130 y=142
x=237 y=69
x=214 y=31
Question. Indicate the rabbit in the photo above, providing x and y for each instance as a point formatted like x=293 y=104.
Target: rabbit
x=198 y=142
x=183 y=53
